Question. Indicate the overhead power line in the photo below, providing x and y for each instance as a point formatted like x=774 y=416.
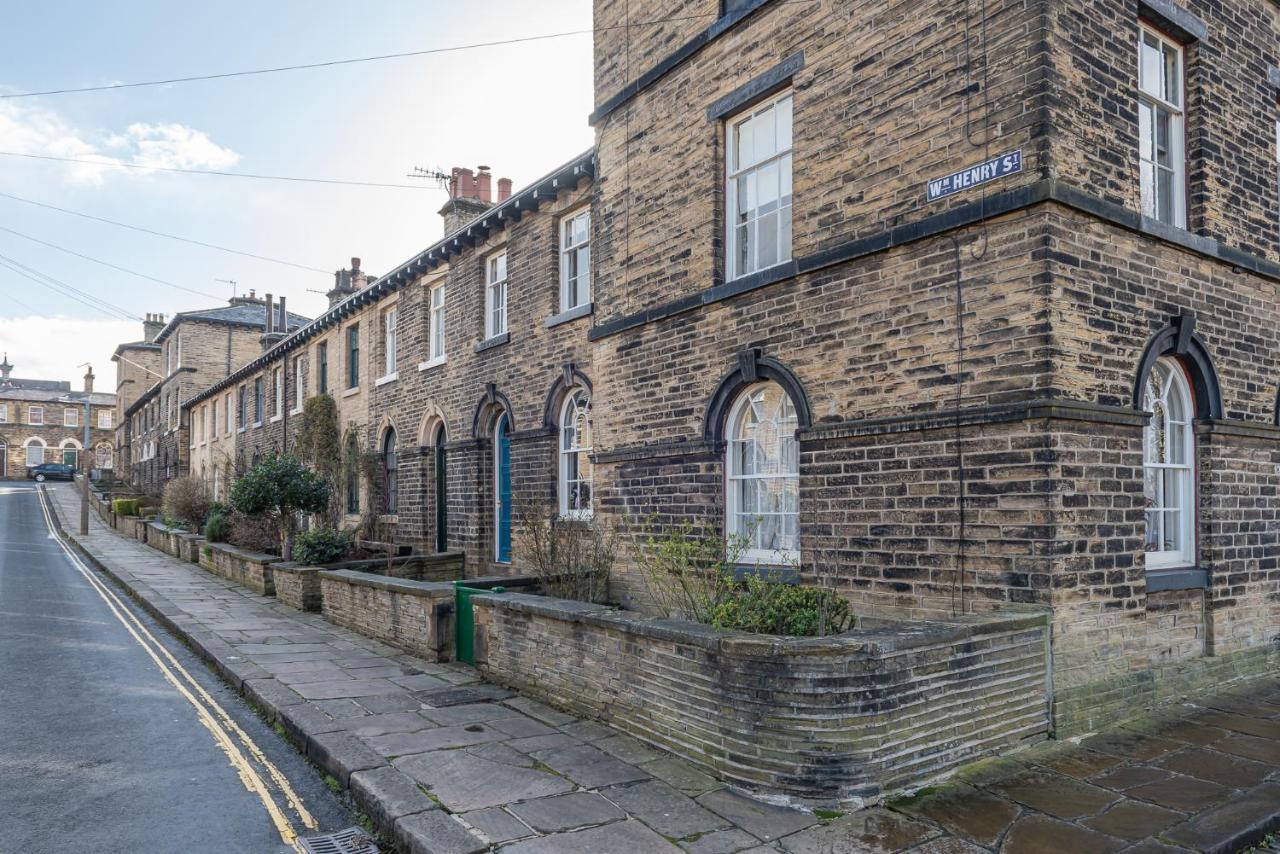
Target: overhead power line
x=358 y=59
x=163 y=234
x=71 y=292
x=107 y=263
x=220 y=173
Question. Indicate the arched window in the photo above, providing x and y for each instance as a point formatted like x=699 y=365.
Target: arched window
x=763 y=464
x=390 y=464
x=104 y=455
x=575 y=456
x=1168 y=465
x=353 y=476
x=35 y=452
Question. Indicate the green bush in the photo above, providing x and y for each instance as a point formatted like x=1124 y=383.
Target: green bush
x=321 y=545
x=217 y=527
x=125 y=506
x=771 y=608
x=279 y=489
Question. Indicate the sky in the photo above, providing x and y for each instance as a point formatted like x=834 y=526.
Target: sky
x=519 y=108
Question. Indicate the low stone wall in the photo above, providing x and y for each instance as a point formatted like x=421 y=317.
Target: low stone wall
x=297 y=586
x=847 y=719
x=133 y=526
x=164 y=538
x=248 y=569
x=416 y=616
x=189 y=546
x=446 y=566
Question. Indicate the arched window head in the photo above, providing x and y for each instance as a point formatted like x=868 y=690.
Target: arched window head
x=1169 y=466
x=575 y=456
x=391 y=466
x=763 y=465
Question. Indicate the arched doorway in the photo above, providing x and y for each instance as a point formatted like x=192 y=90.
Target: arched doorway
x=442 y=492
x=502 y=489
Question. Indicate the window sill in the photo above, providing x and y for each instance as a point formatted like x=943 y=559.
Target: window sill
x=240 y=429
x=434 y=363
x=584 y=310
x=389 y=378
x=1177 y=578
x=495 y=341
x=275 y=418
x=297 y=411
x=257 y=424
x=351 y=391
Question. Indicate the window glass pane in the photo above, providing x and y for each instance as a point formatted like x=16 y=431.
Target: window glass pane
x=1146 y=131
x=1172 y=76
x=1164 y=195
x=1150 y=63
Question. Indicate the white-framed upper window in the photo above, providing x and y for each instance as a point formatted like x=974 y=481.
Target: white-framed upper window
x=575 y=456
x=178 y=344
x=105 y=420
x=1168 y=466
x=213 y=424
x=758 y=191
x=575 y=260
x=763 y=465
x=435 y=324
x=299 y=384
x=390 y=320
x=495 y=295
x=35 y=415
x=277 y=383
x=230 y=412
x=1161 y=128
x=71 y=417
x=4 y=413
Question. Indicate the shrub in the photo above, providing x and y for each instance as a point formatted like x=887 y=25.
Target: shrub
x=687 y=570
x=253 y=533
x=768 y=607
x=217 y=527
x=280 y=488
x=572 y=559
x=321 y=545
x=125 y=506
x=187 y=501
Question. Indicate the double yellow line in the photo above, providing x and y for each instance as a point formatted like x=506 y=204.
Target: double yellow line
x=211 y=715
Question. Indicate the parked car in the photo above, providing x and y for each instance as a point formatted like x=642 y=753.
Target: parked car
x=51 y=471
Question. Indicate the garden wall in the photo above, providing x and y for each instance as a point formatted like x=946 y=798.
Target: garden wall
x=845 y=719
x=248 y=569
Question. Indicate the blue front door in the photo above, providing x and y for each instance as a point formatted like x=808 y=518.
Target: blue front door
x=502 y=490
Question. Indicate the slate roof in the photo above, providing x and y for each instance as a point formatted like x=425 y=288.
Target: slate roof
x=34 y=385
x=241 y=314
x=55 y=395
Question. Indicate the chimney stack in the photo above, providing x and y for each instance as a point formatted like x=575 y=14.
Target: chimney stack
x=88 y=381
x=152 y=326
x=347 y=282
x=283 y=326
x=271 y=315
x=471 y=194
x=271 y=336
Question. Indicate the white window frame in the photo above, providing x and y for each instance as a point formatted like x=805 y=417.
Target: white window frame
x=105 y=419
x=35 y=416
x=259 y=399
x=71 y=417
x=495 y=295
x=570 y=252
x=1157 y=104
x=299 y=384
x=1184 y=501
x=277 y=382
x=735 y=171
x=32 y=444
x=436 y=317
x=4 y=413
x=213 y=429
x=734 y=514
x=569 y=451
x=390 y=340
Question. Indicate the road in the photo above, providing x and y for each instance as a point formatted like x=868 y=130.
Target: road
x=114 y=737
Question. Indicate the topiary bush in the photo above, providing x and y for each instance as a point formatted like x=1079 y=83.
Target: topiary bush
x=280 y=488
x=321 y=545
x=125 y=506
x=187 y=501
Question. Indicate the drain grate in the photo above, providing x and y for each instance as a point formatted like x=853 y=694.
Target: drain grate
x=353 y=840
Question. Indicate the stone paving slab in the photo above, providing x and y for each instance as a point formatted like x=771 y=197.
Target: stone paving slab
x=445 y=763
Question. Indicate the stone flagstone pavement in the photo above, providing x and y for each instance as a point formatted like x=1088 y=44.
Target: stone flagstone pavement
x=447 y=764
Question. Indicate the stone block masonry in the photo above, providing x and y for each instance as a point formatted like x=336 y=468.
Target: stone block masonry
x=249 y=569
x=410 y=615
x=846 y=719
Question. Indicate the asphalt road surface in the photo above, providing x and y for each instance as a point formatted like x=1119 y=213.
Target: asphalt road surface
x=114 y=737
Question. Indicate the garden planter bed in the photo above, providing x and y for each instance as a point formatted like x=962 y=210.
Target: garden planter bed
x=845 y=719
x=248 y=569
x=416 y=616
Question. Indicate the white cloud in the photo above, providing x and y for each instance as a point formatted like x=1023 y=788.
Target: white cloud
x=53 y=347
x=29 y=129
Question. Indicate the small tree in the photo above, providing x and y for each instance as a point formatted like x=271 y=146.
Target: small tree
x=320 y=447
x=187 y=501
x=281 y=487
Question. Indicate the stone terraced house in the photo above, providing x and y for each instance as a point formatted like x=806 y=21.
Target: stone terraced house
x=951 y=308
x=42 y=421
x=194 y=349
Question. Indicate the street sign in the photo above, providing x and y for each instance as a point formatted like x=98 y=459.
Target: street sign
x=974 y=176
